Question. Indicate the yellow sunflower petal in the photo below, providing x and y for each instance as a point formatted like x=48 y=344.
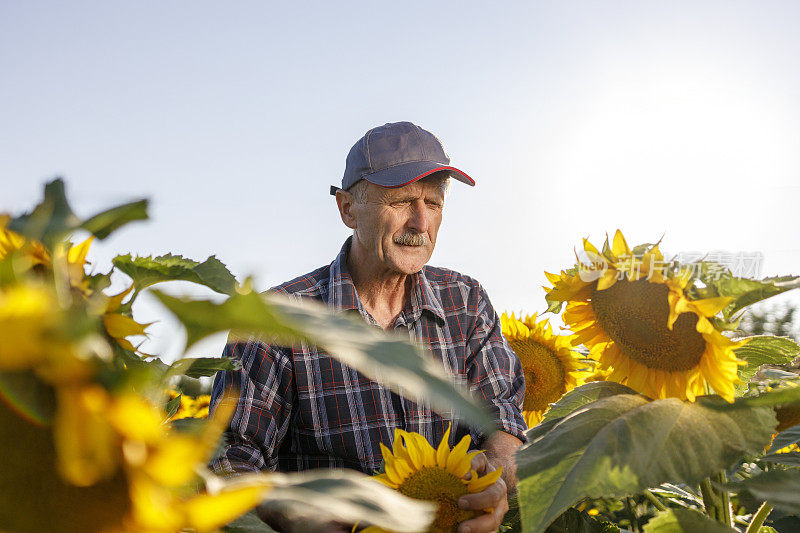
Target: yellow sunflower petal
x=458 y=452
x=443 y=451
x=477 y=484
x=620 y=246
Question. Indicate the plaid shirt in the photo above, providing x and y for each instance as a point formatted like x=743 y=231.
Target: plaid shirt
x=300 y=409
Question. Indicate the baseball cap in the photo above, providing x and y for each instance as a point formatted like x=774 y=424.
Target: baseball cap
x=397 y=154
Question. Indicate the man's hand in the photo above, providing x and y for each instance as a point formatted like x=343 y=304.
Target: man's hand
x=494 y=496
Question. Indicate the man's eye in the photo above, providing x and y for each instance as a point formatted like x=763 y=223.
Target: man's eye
x=401 y=203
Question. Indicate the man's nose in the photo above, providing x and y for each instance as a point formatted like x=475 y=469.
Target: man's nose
x=418 y=221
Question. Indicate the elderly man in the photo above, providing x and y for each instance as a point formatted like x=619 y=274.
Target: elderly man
x=301 y=409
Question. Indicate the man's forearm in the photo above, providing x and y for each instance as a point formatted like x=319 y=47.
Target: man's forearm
x=501 y=448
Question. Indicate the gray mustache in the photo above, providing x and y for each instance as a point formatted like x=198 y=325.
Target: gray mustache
x=412 y=239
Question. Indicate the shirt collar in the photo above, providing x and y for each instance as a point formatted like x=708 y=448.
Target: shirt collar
x=342 y=295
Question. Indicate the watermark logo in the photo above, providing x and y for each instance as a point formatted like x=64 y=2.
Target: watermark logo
x=713 y=265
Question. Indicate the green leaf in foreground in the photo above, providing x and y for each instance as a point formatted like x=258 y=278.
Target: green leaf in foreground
x=623 y=444
x=684 y=521
x=103 y=224
x=173 y=405
x=347 y=497
x=198 y=367
x=52 y=219
x=762 y=350
x=248 y=523
x=147 y=271
x=580 y=396
x=781 y=488
x=386 y=358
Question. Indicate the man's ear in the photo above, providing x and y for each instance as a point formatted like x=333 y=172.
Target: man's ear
x=345 y=201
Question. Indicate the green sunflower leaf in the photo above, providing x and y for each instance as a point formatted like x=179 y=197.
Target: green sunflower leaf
x=745 y=292
x=198 y=367
x=574 y=521
x=684 y=521
x=782 y=397
x=623 y=444
x=780 y=488
x=763 y=350
x=345 y=496
x=52 y=219
x=785 y=438
x=380 y=356
x=789 y=458
x=248 y=523
x=147 y=271
x=103 y=224
x=580 y=396
x=173 y=405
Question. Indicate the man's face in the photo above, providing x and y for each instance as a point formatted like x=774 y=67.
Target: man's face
x=398 y=227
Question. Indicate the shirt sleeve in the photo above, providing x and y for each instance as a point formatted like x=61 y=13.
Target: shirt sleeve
x=263 y=392
x=495 y=372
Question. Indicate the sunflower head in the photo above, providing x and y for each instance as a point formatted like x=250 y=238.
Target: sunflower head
x=551 y=366
x=418 y=470
x=639 y=318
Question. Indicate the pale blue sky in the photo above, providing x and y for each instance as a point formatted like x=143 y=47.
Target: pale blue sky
x=574 y=118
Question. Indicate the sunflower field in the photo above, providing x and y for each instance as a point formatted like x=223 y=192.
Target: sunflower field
x=652 y=412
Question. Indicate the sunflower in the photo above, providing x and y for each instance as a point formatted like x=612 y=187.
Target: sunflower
x=639 y=322
x=190 y=407
x=550 y=364
x=418 y=470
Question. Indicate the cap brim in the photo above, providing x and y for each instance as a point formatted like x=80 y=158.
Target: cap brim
x=400 y=175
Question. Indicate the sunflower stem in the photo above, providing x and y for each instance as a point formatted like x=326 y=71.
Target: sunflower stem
x=654 y=500
x=710 y=500
x=725 y=499
x=631 y=515
x=759 y=518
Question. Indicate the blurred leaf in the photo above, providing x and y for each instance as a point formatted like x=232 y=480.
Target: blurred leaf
x=785 y=438
x=52 y=219
x=623 y=444
x=684 y=521
x=173 y=405
x=762 y=350
x=103 y=224
x=248 y=523
x=580 y=396
x=146 y=271
x=348 y=497
x=380 y=356
x=789 y=458
x=198 y=367
x=574 y=521
x=28 y=395
x=781 y=488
